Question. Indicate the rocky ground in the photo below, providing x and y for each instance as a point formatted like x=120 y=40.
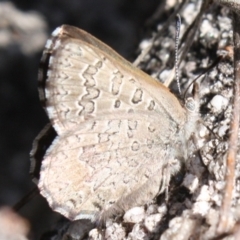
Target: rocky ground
x=194 y=209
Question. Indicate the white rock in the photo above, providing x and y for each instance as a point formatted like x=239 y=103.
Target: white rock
x=204 y=194
x=222 y=130
x=191 y=182
x=95 y=235
x=218 y=103
x=152 y=222
x=134 y=215
x=201 y=208
x=116 y=231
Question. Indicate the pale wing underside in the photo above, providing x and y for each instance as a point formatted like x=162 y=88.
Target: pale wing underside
x=114 y=124
x=102 y=162
x=83 y=82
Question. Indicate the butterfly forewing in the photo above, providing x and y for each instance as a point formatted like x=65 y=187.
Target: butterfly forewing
x=83 y=81
x=117 y=128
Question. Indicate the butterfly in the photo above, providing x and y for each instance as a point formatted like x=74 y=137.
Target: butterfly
x=119 y=132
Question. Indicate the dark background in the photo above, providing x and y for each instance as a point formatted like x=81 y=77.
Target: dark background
x=119 y=23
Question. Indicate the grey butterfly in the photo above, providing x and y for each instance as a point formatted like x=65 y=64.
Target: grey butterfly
x=119 y=131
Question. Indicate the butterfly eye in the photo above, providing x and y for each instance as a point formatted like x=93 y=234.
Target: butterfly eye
x=190 y=104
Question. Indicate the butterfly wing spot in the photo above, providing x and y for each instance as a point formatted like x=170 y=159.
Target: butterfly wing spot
x=132 y=124
x=73 y=50
x=130 y=110
x=147 y=155
x=117 y=103
x=132 y=80
x=150 y=143
x=137 y=96
x=88 y=74
x=151 y=105
x=57 y=91
x=116 y=83
x=63 y=112
x=135 y=146
x=89 y=80
x=87 y=107
x=92 y=125
x=62 y=76
x=126 y=180
x=103 y=137
x=130 y=134
x=151 y=128
x=91 y=70
x=113 y=126
x=63 y=62
x=99 y=64
x=132 y=162
x=92 y=93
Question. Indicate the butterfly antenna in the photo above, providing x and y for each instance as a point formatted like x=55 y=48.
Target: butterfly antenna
x=178 y=25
